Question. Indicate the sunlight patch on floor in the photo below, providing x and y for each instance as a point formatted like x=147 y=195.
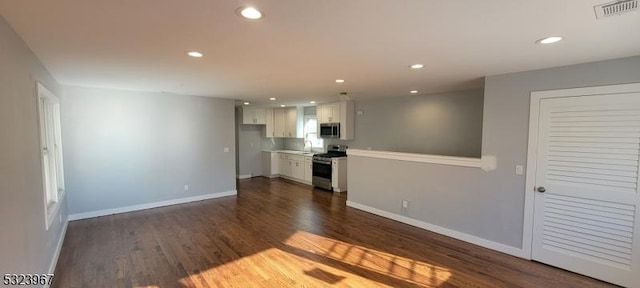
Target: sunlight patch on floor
x=405 y=269
x=274 y=268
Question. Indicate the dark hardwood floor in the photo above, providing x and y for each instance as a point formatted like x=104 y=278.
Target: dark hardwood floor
x=277 y=233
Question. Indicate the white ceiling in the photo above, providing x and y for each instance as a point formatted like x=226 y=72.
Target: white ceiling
x=300 y=47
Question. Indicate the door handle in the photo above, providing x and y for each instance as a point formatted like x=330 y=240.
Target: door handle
x=541 y=189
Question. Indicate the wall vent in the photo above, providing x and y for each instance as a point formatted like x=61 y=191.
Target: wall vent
x=615 y=8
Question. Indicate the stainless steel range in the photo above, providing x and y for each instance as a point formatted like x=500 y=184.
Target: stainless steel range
x=322 y=166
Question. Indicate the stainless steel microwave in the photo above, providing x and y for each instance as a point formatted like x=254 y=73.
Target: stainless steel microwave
x=329 y=130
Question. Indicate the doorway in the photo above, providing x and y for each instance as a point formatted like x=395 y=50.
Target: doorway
x=582 y=194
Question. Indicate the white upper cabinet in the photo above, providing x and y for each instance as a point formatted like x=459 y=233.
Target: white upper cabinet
x=278 y=122
x=293 y=123
x=284 y=122
x=338 y=112
x=329 y=113
x=252 y=115
x=269 y=129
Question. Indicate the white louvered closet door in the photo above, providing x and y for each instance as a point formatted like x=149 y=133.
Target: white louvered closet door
x=586 y=220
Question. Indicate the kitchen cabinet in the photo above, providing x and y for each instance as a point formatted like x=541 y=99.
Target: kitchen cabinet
x=284 y=122
x=278 y=122
x=270 y=163
x=308 y=169
x=252 y=115
x=290 y=166
x=339 y=174
x=338 y=112
x=297 y=169
x=269 y=128
x=293 y=126
x=328 y=113
x=284 y=166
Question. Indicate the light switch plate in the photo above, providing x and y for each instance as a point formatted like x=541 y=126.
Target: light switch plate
x=226 y=149
x=519 y=170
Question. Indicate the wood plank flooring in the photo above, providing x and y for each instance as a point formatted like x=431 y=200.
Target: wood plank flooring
x=277 y=233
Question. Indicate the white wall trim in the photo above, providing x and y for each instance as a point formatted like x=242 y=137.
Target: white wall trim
x=145 y=206
x=441 y=230
x=486 y=163
x=532 y=153
x=56 y=253
x=244 y=176
x=586 y=91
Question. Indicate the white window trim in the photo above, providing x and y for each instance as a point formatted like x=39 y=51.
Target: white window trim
x=305 y=119
x=51 y=206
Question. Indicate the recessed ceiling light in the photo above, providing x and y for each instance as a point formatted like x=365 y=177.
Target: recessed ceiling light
x=250 y=13
x=195 y=54
x=339 y=80
x=549 y=40
x=312 y=102
x=272 y=99
x=416 y=66
x=246 y=103
x=282 y=105
x=413 y=91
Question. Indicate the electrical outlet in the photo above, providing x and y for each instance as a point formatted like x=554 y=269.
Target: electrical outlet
x=519 y=170
x=186 y=187
x=405 y=204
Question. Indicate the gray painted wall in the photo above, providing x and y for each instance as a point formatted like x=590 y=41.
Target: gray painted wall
x=488 y=205
x=25 y=245
x=442 y=124
x=250 y=143
x=126 y=148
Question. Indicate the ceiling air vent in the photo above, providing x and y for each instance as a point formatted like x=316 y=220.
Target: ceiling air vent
x=615 y=8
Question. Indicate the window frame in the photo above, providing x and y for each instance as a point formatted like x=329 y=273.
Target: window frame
x=50 y=145
x=306 y=134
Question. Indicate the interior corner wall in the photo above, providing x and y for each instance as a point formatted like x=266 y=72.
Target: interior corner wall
x=488 y=205
x=26 y=246
x=250 y=144
x=128 y=148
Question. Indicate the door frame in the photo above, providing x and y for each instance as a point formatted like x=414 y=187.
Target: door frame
x=532 y=150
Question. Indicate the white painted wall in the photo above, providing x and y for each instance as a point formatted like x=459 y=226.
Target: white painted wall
x=128 y=148
x=488 y=205
x=25 y=244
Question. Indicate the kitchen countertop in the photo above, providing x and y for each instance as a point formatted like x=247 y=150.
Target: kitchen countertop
x=295 y=152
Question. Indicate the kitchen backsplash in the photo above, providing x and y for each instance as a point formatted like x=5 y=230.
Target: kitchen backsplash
x=293 y=144
x=298 y=144
x=272 y=144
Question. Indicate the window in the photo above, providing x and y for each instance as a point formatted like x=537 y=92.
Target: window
x=311 y=132
x=51 y=152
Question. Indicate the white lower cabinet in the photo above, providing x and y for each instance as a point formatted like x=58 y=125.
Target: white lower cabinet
x=284 y=166
x=339 y=174
x=308 y=169
x=270 y=166
x=291 y=166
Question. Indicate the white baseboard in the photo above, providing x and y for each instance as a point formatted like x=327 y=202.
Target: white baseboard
x=518 y=252
x=99 y=213
x=245 y=176
x=56 y=254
